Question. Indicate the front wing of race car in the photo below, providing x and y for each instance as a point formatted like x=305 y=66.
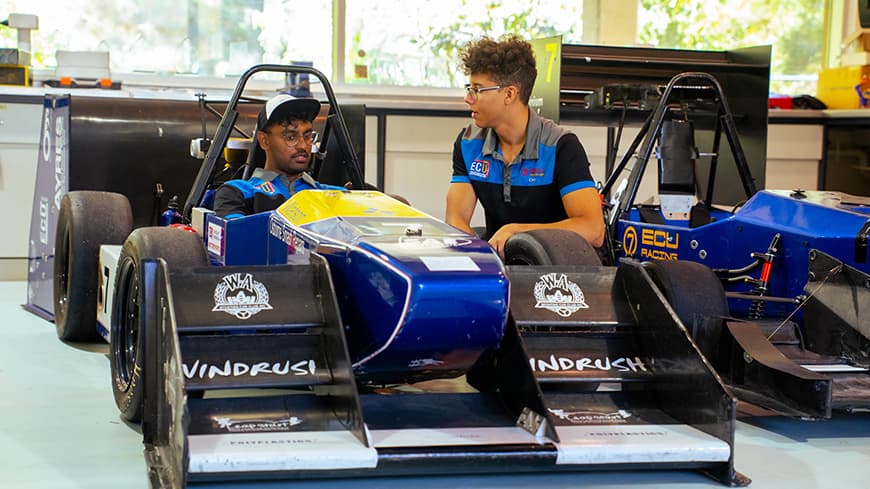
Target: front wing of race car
x=622 y=388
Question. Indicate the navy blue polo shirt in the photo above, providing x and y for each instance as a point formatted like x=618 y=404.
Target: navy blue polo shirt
x=530 y=188
x=264 y=191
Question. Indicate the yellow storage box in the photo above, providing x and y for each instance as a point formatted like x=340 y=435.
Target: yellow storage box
x=836 y=86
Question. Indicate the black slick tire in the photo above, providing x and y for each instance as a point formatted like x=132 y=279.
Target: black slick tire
x=87 y=219
x=696 y=295
x=180 y=249
x=550 y=247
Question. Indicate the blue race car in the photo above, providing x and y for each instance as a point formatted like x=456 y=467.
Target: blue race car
x=779 y=254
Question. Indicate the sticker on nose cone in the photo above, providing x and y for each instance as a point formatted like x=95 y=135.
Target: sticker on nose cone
x=241 y=296
x=556 y=293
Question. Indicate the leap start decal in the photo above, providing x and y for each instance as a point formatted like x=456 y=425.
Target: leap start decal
x=420 y=243
x=241 y=296
x=556 y=293
x=592 y=417
x=256 y=425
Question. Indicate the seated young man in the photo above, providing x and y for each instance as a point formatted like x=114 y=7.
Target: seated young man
x=527 y=172
x=285 y=134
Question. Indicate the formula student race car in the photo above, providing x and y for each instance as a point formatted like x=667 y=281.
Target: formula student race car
x=793 y=263
x=347 y=334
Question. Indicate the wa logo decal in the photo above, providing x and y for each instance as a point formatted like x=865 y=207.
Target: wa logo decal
x=241 y=296
x=556 y=293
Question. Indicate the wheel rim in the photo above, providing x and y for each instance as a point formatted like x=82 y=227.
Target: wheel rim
x=124 y=346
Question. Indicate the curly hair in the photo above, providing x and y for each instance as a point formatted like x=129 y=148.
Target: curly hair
x=509 y=61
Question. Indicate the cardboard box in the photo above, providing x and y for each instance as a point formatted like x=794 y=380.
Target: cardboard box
x=14 y=75
x=11 y=56
x=836 y=86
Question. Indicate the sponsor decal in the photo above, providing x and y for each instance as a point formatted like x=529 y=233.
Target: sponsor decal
x=592 y=417
x=532 y=172
x=419 y=243
x=59 y=167
x=240 y=295
x=425 y=362
x=449 y=264
x=479 y=168
x=294 y=212
x=556 y=293
x=46 y=135
x=654 y=244
x=375 y=211
x=256 y=425
x=658 y=254
x=43 y=220
x=659 y=238
x=267 y=187
x=215 y=235
x=287 y=235
x=562 y=364
x=284 y=441
x=629 y=241
x=203 y=370
x=627 y=433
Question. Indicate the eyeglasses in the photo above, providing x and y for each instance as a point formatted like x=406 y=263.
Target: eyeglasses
x=474 y=92
x=292 y=138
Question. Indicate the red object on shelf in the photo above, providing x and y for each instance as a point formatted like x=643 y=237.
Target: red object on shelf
x=775 y=101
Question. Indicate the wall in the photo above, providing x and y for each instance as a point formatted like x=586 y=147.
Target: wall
x=19 y=142
x=417 y=165
x=419 y=154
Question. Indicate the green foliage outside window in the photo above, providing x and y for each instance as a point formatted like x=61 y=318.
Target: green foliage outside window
x=793 y=27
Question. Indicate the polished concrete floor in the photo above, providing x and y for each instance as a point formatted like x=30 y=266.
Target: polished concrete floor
x=59 y=429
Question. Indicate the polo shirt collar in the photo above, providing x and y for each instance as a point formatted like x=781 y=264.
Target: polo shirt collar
x=533 y=139
x=269 y=175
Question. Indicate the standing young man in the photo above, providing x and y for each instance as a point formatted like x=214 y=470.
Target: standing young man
x=526 y=171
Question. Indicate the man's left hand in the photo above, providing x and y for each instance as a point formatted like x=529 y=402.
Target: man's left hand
x=501 y=236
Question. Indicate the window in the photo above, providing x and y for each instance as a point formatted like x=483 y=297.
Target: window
x=387 y=42
x=417 y=43
x=186 y=37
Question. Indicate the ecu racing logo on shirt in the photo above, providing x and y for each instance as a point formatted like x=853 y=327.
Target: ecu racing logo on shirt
x=479 y=169
x=267 y=187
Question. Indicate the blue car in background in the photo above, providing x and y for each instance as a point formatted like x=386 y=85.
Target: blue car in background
x=793 y=263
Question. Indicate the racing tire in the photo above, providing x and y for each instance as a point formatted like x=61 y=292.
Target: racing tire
x=87 y=219
x=550 y=247
x=696 y=295
x=180 y=249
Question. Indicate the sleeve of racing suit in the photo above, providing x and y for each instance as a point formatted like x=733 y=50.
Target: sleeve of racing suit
x=229 y=202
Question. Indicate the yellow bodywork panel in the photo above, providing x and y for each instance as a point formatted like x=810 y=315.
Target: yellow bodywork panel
x=310 y=206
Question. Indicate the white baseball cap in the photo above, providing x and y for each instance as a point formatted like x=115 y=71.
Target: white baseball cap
x=283 y=105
